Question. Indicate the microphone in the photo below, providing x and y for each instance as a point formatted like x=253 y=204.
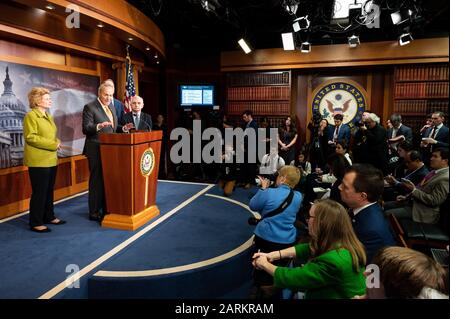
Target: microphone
x=146 y=123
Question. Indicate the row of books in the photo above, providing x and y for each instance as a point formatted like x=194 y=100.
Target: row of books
x=259 y=93
x=414 y=73
x=260 y=78
x=419 y=106
x=259 y=108
x=427 y=89
x=415 y=123
x=236 y=120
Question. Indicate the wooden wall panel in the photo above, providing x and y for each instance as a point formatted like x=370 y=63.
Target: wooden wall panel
x=82 y=62
x=82 y=170
x=63 y=175
x=14 y=187
x=29 y=52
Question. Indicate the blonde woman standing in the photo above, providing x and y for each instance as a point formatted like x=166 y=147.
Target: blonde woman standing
x=40 y=155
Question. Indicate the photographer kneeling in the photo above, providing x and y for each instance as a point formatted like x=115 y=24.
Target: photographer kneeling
x=275 y=231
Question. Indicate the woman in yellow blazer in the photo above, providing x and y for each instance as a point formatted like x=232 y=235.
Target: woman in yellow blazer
x=40 y=155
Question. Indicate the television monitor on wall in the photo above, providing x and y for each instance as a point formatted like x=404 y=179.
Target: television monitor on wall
x=196 y=95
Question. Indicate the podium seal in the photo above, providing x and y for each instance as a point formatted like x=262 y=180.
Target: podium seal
x=147 y=162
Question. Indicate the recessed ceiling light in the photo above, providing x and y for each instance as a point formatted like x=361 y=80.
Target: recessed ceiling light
x=147 y=48
x=100 y=25
x=156 y=55
x=157 y=62
x=130 y=39
x=50 y=7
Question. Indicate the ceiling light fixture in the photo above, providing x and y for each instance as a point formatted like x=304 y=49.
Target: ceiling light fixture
x=305 y=47
x=401 y=16
x=405 y=39
x=244 y=46
x=301 y=23
x=288 y=41
x=130 y=39
x=100 y=25
x=353 y=41
x=50 y=7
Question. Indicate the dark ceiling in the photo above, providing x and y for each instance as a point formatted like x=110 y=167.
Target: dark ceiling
x=186 y=24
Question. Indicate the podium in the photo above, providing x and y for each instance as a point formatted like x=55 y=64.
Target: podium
x=130 y=164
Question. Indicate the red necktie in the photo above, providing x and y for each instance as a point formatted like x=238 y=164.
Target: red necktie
x=427 y=178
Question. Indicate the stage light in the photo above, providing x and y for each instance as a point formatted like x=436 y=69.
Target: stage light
x=291 y=6
x=244 y=46
x=401 y=16
x=353 y=41
x=305 y=47
x=405 y=39
x=301 y=23
x=288 y=41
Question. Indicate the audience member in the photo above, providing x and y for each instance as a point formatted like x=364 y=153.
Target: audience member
x=434 y=137
x=376 y=143
x=287 y=137
x=361 y=188
x=278 y=208
x=334 y=259
x=408 y=274
x=423 y=202
x=339 y=131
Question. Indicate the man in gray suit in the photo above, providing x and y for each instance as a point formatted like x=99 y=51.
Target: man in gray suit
x=99 y=116
x=427 y=196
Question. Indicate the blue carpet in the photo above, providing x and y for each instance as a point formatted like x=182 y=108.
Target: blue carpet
x=34 y=263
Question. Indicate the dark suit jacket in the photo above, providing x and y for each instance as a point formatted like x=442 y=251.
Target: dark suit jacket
x=403 y=130
x=344 y=133
x=378 y=148
x=372 y=230
x=120 y=111
x=441 y=136
x=145 y=121
x=94 y=114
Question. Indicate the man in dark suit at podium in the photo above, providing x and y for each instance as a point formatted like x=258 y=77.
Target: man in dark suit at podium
x=99 y=116
x=140 y=121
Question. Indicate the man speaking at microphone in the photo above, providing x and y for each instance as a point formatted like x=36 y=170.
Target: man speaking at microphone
x=136 y=119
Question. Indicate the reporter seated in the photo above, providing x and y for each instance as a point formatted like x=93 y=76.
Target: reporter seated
x=405 y=273
x=335 y=257
x=423 y=202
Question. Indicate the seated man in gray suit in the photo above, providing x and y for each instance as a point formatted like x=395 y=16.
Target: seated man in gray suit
x=425 y=199
x=99 y=116
x=136 y=119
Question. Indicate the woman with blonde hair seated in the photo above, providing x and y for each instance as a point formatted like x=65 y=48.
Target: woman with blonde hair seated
x=335 y=258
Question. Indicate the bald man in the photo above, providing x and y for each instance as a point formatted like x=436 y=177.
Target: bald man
x=136 y=119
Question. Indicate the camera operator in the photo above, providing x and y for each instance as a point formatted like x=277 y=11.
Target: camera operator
x=275 y=230
x=360 y=151
x=318 y=148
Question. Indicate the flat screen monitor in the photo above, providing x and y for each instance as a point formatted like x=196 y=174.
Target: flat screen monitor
x=196 y=95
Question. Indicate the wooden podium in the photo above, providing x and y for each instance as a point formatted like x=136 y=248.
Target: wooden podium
x=130 y=165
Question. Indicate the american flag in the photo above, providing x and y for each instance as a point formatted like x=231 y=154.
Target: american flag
x=129 y=85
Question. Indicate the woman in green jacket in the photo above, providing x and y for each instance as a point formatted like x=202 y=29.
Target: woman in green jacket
x=40 y=155
x=335 y=258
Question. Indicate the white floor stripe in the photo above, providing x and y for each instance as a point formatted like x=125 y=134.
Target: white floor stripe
x=76 y=276
x=203 y=263
x=171 y=270
x=183 y=182
x=57 y=202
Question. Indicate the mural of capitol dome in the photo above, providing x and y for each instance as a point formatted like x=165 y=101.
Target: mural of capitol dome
x=12 y=112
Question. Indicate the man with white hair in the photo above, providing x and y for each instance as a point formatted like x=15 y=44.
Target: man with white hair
x=120 y=111
x=138 y=120
x=376 y=142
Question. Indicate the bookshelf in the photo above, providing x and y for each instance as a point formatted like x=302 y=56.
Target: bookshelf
x=266 y=94
x=420 y=90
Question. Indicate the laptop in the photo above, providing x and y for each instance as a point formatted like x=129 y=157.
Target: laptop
x=441 y=256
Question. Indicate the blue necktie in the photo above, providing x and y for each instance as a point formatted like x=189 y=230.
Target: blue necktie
x=136 y=120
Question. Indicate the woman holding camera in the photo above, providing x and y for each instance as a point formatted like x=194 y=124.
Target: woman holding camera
x=275 y=231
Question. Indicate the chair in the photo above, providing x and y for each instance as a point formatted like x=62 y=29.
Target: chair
x=431 y=235
x=398 y=231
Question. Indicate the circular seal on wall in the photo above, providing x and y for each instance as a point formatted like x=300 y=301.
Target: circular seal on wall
x=147 y=162
x=340 y=96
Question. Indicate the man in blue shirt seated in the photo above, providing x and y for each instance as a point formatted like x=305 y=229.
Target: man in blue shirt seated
x=361 y=188
x=275 y=232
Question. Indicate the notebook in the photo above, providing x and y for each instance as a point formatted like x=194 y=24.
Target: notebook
x=440 y=255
